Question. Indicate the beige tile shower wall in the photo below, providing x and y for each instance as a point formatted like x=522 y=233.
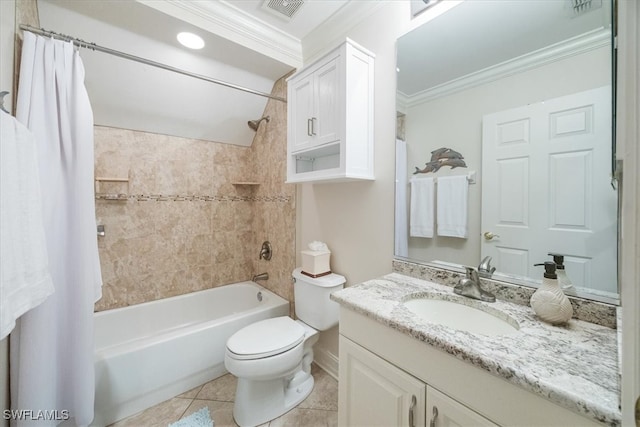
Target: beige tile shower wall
x=275 y=209
x=157 y=249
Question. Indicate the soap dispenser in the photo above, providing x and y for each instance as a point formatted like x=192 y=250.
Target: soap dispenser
x=563 y=280
x=548 y=301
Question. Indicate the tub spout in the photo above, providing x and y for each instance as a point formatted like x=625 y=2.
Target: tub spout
x=261 y=276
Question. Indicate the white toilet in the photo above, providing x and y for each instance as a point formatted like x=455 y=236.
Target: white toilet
x=272 y=358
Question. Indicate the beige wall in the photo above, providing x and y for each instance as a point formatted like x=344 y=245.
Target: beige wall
x=356 y=219
x=165 y=246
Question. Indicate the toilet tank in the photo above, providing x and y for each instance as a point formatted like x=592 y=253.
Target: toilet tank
x=311 y=296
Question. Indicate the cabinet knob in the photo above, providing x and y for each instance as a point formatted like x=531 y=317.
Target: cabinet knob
x=434 y=416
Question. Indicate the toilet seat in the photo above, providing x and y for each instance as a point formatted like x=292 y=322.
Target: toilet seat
x=265 y=338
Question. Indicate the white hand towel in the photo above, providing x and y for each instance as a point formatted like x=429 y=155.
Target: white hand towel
x=452 y=204
x=25 y=281
x=421 y=216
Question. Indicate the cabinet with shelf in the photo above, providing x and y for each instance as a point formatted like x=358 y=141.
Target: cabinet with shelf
x=330 y=118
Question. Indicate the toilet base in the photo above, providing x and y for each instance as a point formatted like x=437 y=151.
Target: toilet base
x=258 y=402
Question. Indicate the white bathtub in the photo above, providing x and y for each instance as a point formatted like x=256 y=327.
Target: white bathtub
x=150 y=352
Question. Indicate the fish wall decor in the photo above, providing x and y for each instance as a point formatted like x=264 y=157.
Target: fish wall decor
x=442 y=157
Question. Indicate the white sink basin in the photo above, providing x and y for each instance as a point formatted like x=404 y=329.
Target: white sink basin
x=460 y=316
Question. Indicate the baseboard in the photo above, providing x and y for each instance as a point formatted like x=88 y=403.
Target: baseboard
x=328 y=361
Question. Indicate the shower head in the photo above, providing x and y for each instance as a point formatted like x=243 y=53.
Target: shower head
x=253 y=124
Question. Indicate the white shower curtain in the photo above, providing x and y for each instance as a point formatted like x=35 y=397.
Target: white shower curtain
x=52 y=346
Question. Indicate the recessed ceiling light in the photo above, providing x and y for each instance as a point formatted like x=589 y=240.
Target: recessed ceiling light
x=190 y=40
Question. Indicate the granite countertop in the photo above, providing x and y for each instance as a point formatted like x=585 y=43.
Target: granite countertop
x=575 y=365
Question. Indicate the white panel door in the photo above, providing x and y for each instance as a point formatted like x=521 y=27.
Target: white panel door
x=546 y=187
x=373 y=392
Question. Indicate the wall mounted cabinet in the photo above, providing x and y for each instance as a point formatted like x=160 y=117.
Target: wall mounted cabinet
x=330 y=118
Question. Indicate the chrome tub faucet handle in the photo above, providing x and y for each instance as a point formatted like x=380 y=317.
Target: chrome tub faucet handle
x=265 y=251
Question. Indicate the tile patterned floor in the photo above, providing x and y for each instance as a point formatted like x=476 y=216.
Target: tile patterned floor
x=318 y=410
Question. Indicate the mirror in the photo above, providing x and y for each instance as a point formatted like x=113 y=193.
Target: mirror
x=486 y=79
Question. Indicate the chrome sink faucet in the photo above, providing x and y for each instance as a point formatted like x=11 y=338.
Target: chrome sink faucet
x=470 y=287
x=485 y=269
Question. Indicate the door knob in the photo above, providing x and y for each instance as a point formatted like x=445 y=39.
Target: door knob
x=489 y=235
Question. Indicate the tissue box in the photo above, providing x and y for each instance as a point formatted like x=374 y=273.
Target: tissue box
x=315 y=263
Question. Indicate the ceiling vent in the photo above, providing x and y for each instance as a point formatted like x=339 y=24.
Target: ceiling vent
x=284 y=9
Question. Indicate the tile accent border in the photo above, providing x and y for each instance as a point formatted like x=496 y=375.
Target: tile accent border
x=590 y=311
x=189 y=198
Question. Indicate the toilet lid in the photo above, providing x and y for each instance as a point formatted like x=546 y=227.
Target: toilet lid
x=266 y=338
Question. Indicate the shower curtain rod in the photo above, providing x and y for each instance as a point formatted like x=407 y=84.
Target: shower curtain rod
x=93 y=46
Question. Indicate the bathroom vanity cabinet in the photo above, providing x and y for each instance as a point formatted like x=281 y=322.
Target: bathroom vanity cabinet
x=330 y=118
x=389 y=378
x=379 y=393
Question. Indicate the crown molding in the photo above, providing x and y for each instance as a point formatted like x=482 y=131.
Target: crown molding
x=402 y=102
x=556 y=52
x=226 y=20
x=334 y=30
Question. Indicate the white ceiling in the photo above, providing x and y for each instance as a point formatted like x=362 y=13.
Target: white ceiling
x=245 y=45
x=479 y=34
x=311 y=14
x=248 y=46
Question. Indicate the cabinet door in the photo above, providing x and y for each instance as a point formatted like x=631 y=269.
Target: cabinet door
x=443 y=411
x=372 y=392
x=301 y=113
x=327 y=106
